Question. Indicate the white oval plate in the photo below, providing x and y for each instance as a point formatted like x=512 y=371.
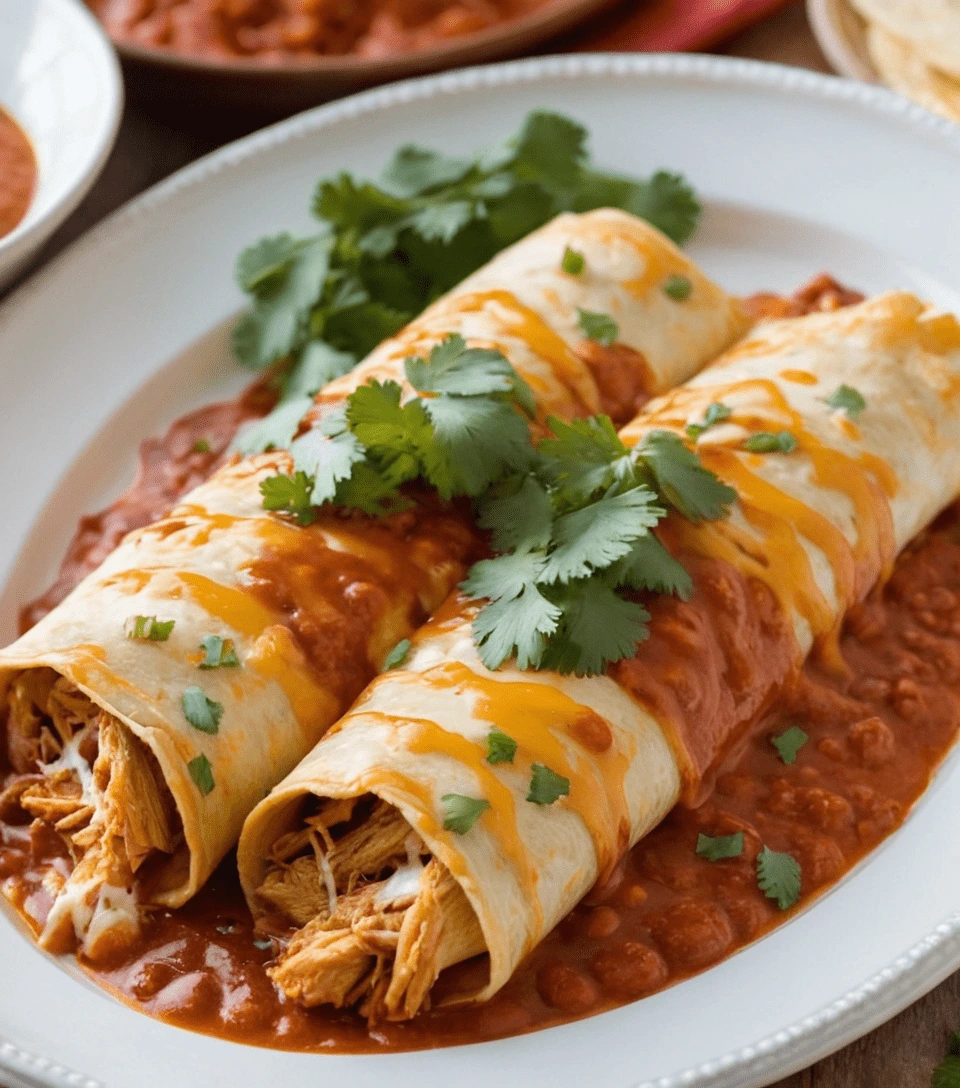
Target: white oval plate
x=800 y=173
x=59 y=78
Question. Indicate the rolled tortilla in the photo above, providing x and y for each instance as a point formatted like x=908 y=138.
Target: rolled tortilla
x=145 y=760
x=348 y=860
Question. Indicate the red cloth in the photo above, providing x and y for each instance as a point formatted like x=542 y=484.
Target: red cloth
x=666 y=26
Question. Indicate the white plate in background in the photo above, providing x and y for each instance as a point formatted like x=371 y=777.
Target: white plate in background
x=799 y=173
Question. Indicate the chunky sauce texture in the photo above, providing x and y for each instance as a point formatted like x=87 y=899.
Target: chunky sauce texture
x=878 y=727
x=285 y=31
x=18 y=173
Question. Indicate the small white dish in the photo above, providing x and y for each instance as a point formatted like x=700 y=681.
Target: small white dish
x=842 y=35
x=60 y=81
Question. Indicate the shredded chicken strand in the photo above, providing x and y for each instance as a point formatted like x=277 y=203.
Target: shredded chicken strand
x=378 y=949
x=83 y=772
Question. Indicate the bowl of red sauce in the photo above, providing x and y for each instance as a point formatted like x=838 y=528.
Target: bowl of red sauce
x=284 y=55
x=61 y=96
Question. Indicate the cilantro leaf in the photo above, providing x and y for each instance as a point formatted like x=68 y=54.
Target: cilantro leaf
x=515 y=626
x=200 y=711
x=397 y=435
x=648 y=565
x=282 y=310
x=779 y=877
x=848 y=399
x=583 y=457
x=596 y=627
x=442 y=222
x=397 y=656
x=323 y=461
x=476 y=440
x=245 y=341
x=546 y=786
x=414 y=170
x=947 y=1073
x=359 y=329
x=289 y=495
x=668 y=202
x=461 y=371
x=594 y=536
x=258 y=264
x=550 y=148
x=276 y=430
x=573 y=263
x=677 y=287
x=220 y=651
x=518 y=514
x=461 y=812
x=318 y=364
x=504 y=576
x=682 y=480
x=599 y=327
x=149 y=628
x=724 y=846
x=766 y=442
x=500 y=747
x=789 y=743
x=201 y=772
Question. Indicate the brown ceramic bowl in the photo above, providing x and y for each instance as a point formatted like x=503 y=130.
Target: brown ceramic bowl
x=281 y=89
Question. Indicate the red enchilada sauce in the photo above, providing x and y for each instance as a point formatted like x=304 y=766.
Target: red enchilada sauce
x=876 y=733
x=18 y=173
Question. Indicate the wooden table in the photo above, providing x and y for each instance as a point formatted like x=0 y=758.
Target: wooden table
x=902 y=1053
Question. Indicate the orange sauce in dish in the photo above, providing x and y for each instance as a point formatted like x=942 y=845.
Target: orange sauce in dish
x=18 y=173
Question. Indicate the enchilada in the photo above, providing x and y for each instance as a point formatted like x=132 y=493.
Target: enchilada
x=457 y=812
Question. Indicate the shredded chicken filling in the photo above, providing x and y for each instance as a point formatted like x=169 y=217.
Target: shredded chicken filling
x=377 y=918
x=80 y=770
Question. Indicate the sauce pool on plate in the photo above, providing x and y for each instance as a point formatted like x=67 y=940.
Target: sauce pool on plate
x=18 y=173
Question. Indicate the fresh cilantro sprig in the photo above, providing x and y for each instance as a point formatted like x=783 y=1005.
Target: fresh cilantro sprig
x=386 y=250
x=571 y=518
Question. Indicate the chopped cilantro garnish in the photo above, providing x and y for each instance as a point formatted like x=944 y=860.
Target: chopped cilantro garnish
x=202 y=774
x=290 y=495
x=461 y=813
x=220 y=651
x=500 y=747
x=202 y=445
x=779 y=877
x=599 y=327
x=547 y=786
x=397 y=656
x=723 y=846
x=200 y=711
x=847 y=398
x=789 y=743
x=149 y=628
x=715 y=413
x=678 y=288
x=766 y=442
x=386 y=250
x=573 y=262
